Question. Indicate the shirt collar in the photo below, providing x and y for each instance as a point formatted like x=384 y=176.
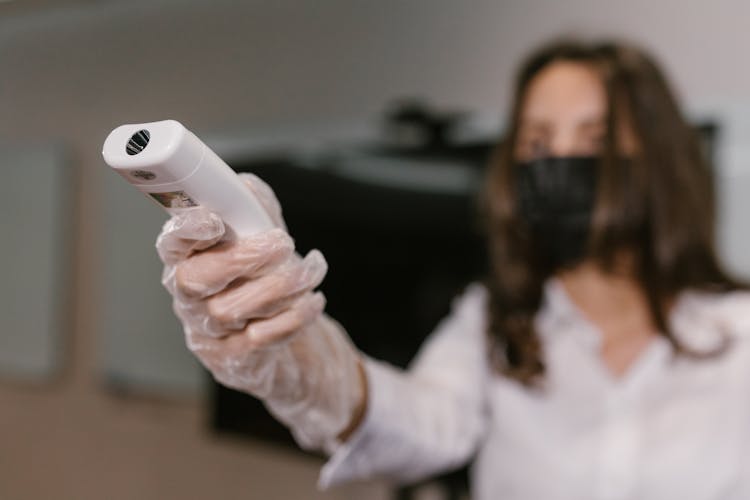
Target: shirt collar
x=692 y=319
x=560 y=317
x=698 y=323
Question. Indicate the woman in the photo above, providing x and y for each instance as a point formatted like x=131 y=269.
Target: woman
x=607 y=356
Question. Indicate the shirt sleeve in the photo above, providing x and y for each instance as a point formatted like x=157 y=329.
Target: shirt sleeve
x=428 y=419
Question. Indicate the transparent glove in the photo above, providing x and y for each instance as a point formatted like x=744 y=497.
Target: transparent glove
x=251 y=316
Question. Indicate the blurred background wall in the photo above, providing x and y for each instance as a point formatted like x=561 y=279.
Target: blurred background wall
x=113 y=423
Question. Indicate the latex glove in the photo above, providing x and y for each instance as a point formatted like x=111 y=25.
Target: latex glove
x=251 y=317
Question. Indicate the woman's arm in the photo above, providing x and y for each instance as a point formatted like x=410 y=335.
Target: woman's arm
x=427 y=419
x=252 y=317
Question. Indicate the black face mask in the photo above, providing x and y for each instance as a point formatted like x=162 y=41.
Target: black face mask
x=556 y=199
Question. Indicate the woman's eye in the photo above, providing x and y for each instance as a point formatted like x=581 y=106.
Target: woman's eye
x=532 y=147
x=538 y=148
x=596 y=143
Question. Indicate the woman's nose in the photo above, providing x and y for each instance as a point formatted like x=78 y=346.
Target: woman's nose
x=563 y=144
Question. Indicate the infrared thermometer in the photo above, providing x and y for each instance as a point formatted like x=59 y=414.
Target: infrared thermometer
x=169 y=164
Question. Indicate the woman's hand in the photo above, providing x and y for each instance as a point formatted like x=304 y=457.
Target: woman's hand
x=252 y=317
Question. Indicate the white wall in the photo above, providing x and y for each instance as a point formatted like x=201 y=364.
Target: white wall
x=227 y=67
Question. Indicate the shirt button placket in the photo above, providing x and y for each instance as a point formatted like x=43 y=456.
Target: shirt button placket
x=618 y=451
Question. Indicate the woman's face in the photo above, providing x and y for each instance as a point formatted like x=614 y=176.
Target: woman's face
x=563 y=114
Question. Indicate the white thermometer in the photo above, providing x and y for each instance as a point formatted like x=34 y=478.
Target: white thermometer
x=172 y=166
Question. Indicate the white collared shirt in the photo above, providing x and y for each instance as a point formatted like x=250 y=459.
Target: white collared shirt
x=669 y=428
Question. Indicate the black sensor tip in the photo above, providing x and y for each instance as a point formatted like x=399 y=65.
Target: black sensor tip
x=138 y=142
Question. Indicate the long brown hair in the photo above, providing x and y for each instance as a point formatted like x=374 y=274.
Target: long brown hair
x=659 y=206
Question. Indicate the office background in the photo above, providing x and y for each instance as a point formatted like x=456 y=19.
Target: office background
x=93 y=405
